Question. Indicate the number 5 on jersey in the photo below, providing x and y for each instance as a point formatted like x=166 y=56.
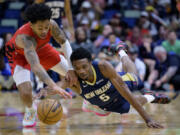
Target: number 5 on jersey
x=104 y=97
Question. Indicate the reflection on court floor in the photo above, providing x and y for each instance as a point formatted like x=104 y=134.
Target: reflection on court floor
x=76 y=122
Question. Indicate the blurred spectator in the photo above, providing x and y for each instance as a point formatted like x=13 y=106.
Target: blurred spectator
x=103 y=40
x=135 y=37
x=81 y=40
x=2 y=64
x=132 y=4
x=161 y=36
x=119 y=27
x=6 y=80
x=86 y=13
x=85 y=24
x=146 y=52
x=172 y=44
x=112 y=38
x=141 y=67
x=143 y=22
x=99 y=6
x=167 y=69
x=147 y=22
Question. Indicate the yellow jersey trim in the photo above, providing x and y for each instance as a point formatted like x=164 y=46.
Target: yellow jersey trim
x=128 y=77
x=94 y=73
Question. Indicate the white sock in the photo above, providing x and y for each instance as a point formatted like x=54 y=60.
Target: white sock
x=122 y=53
x=149 y=98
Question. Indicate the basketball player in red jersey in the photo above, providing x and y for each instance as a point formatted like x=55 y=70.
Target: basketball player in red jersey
x=29 y=50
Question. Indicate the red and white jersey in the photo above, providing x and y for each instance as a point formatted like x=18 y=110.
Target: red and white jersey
x=27 y=30
x=48 y=56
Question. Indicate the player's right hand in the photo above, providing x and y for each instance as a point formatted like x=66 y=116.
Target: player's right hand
x=154 y=124
x=57 y=90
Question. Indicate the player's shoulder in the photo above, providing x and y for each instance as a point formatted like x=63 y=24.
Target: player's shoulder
x=103 y=64
x=53 y=23
x=106 y=68
x=22 y=38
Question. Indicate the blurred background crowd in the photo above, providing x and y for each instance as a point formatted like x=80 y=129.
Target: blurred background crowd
x=150 y=28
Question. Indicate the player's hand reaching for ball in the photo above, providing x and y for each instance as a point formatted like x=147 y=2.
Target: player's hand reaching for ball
x=58 y=90
x=52 y=91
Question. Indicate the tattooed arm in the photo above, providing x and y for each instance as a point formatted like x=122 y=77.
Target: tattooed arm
x=29 y=44
x=57 y=33
x=59 y=36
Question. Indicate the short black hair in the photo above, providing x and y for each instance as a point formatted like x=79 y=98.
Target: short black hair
x=38 y=12
x=80 y=53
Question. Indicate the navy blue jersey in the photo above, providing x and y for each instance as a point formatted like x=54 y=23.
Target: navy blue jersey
x=57 y=8
x=102 y=92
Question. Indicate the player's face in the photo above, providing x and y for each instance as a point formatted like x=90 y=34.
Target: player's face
x=82 y=68
x=41 y=28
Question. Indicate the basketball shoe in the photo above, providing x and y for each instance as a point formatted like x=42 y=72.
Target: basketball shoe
x=115 y=48
x=159 y=97
x=29 y=118
x=87 y=107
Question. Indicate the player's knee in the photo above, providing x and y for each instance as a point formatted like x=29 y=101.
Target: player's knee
x=25 y=90
x=26 y=94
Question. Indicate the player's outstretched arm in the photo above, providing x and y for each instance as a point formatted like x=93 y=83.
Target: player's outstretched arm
x=60 y=37
x=63 y=84
x=109 y=72
x=28 y=44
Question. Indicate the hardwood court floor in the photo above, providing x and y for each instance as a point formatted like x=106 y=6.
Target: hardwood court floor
x=76 y=122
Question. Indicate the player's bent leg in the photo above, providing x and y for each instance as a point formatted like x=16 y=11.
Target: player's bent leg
x=88 y=107
x=62 y=67
x=25 y=90
x=22 y=79
x=159 y=98
x=141 y=99
x=127 y=64
x=152 y=97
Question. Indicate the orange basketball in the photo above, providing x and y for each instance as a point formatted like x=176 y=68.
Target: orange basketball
x=49 y=111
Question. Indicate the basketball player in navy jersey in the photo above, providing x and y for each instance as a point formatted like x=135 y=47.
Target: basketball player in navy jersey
x=101 y=85
x=60 y=9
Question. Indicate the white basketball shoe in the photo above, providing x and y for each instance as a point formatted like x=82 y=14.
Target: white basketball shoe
x=29 y=117
x=88 y=107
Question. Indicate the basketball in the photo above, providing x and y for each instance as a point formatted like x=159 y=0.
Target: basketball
x=49 y=111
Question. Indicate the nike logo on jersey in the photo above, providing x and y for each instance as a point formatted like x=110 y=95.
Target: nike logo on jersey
x=98 y=82
x=85 y=85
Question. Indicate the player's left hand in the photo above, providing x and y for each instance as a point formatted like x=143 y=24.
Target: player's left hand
x=71 y=77
x=154 y=124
